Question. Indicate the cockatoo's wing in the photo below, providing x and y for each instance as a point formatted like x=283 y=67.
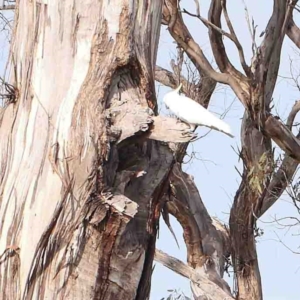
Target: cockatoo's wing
x=192 y=112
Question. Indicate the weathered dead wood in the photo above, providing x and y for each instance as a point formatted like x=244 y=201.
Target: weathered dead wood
x=202 y=284
x=170 y=130
x=136 y=123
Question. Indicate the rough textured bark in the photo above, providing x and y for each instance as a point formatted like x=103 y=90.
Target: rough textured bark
x=80 y=186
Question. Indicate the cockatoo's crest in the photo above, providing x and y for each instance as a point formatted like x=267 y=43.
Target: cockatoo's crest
x=178 y=89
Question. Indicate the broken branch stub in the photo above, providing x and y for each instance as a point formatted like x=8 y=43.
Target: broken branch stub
x=130 y=122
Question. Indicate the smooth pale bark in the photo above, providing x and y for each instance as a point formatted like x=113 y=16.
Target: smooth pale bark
x=78 y=210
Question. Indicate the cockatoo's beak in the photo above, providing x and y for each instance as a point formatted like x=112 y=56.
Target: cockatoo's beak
x=178 y=89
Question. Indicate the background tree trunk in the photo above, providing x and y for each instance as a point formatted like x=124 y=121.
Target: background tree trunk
x=73 y=172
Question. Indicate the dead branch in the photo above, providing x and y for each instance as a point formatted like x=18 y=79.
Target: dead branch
x=292 y=115
x=169 y=130
x=252 y=30
x=201 y=281
x=170 y=79
x=129 y=123
x=232 y=36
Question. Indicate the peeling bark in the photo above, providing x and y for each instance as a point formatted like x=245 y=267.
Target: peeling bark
x=80 y=230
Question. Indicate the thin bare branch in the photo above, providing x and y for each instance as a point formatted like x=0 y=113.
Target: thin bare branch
x=235 y=40
x=217 y=44
x=7 y=7
x=197 y=7
x=209 y=24
x=170 y=79
x=293 y=114
x=184 y=39
x=251 y=30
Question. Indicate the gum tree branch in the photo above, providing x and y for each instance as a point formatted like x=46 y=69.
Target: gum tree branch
x=184 y=39
x=285 y=172
x=216 y=41
x=236 y=40
x=202 y=284
x=167 y=78
x=207 y=241
x=293 y=32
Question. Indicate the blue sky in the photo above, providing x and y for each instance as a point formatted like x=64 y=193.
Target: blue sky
x=214 y=172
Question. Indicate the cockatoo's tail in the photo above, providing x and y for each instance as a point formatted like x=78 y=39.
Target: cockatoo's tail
x=193 y=113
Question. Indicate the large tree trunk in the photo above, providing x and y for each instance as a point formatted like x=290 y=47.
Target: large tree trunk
x=79 y=183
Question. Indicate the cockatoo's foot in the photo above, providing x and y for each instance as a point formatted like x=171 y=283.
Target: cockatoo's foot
x=189 y=133
x=192 y=127
x=178 y=120
x=194 y=138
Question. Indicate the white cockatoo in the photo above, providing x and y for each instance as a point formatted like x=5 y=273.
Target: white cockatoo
x=193 y=113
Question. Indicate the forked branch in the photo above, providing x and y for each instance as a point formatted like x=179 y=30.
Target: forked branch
x=285 y=173
x=217 y=44
x=184 y=39
x=236 y=40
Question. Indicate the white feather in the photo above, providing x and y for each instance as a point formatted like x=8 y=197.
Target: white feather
x=193 y=113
